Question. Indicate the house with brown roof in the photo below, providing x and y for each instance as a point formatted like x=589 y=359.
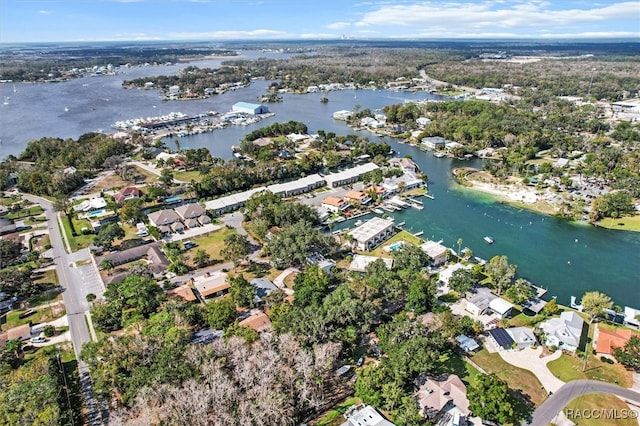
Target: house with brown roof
x=21 y=332
x=437 y=397
x=259 y=322
x=357 y=197
x=184 y=292
x=190 y=211
x=212 y=284
x=608 y=340
x=406 y=164
x=335 y=204
x=127 y=193
x=163 y=217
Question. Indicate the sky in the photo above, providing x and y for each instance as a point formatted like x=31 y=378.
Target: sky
x=138 y=20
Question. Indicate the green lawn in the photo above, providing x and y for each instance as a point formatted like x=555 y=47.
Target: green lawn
x=80 y=241
x=626 y=223
x=335 y=416
x=519 y=380
x=592 y=403
x=25 y=213
x=212 y=243
x=44 y=314
x=194 y=175
x=453 y=364
x=568 y=368
x=400 y=236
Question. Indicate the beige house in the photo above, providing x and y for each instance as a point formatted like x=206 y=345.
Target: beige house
x=437 y=397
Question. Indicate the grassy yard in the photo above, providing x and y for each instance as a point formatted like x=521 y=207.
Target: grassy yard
x=335 y=417
x=43 y=313
x=80 y=241
x=400 y=236
x=194 y=175
x=568 y=368
x=520 y=381
x=25 y=213
x=212 y=243
x=592 y=403
x=626 y=223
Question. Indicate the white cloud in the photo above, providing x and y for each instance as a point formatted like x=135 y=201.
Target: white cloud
x=315 y=36
x=230 y=35
x=44 y=12
x=338 y=25
x=491 y=14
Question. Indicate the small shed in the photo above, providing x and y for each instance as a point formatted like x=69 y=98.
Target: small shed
x=466 y=343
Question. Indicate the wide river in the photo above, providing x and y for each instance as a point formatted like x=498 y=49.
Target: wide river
x=566 y=258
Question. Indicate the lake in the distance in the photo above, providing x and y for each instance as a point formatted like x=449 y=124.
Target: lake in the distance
x=566 y=258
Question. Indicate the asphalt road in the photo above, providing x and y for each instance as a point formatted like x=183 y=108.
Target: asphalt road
x=546 y=413
x=74 y=283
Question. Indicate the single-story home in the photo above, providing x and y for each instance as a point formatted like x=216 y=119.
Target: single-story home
x=501 y=307
x=212 y=284
x=608 y=340
x=360 y=262
x=184 y=291
x=190 y=211
x=522 y=336
x=259 y=322
x=563 y=332
x=466 y=343
x=263 y=288
x=163 y=217
x=434 y=397
x=501 y=338
x=361 y=415
x=534 y=305
x=21 y=332
x=127 y=193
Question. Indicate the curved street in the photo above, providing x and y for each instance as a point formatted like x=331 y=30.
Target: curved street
x=547 y=412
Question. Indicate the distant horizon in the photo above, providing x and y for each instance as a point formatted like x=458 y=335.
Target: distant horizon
x=69 y=21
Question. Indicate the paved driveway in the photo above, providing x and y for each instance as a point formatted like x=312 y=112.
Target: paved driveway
x=529 y=359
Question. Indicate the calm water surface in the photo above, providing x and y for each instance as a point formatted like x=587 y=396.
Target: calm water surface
x=566 y=258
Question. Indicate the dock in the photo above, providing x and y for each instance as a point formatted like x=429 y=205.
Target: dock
x=417 y=234
x=430 y=196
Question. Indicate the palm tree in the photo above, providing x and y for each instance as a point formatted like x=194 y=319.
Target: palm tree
x=459 y=244
x=594 y=303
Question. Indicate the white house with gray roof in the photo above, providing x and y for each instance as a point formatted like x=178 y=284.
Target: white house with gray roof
x=563 y=332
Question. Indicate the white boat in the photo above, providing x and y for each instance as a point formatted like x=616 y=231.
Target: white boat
x=488 y=239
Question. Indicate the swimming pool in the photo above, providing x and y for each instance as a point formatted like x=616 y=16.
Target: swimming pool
x=395 y=246
x=96 y=213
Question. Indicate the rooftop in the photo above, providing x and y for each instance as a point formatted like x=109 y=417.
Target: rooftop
x=211 y=283
x=360 y=262
x=370 y=229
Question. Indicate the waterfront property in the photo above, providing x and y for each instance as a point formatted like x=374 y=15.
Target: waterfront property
x=348 y=176
x=372 y=233
x=523 y=337
x=231 y=202
x=335 y=204
x=608 y=340
x=632 y=317
x=564 y=332
x=247 y=108
x=438 y=254
x=357 y=197
x=483 y=300
x=298 y=186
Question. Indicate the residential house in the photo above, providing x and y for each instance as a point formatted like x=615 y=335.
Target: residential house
x=501 y=338
x=523 y=337
x=478 y=304
x=212 y=284
x=564 y=332
x=21 y=332
x=91 y=204
x=263 y=288
x=335 y=204
x=436 y=398
x=357 y=197
x=231 y=202
x=298 y=186
x=501 y=307
x=360 y=262
x=259 y=322
x=466 y=343
x=405 y=164
x=190 y=211
x=127 y=193
x=632 y=317
x=608 y=340
x=364 y=415
x=438 y=254
x=372 y=233
x=534 y=305
x=164 y=217
x=434 y=142
x=184 y=292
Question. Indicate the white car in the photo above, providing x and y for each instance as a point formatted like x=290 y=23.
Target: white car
x=38 y=339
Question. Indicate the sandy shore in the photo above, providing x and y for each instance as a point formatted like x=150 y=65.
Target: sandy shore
x=517 y=193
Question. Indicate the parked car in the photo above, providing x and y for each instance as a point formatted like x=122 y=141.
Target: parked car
x=38 y=339
x=189 y=244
